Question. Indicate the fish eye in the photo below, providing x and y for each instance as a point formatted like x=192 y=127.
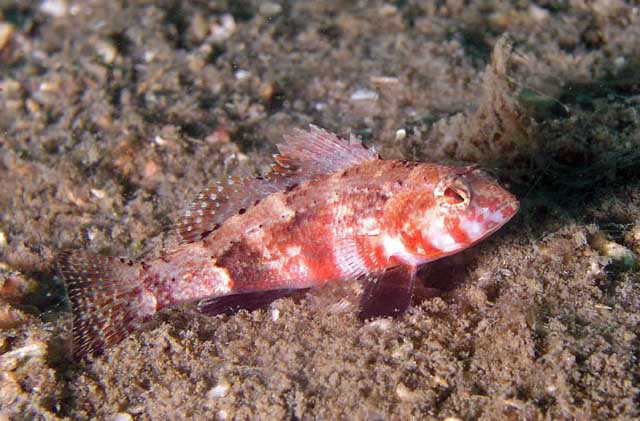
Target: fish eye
x=452 y=197
x=452 y=193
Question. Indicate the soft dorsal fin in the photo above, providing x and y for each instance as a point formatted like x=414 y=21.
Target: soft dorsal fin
x=304 y=155
x=220 y=201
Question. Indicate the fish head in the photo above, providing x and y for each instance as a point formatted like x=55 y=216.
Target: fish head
x=452 y=209
x=469 y=205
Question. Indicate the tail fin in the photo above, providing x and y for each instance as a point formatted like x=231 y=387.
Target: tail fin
x=106 y=297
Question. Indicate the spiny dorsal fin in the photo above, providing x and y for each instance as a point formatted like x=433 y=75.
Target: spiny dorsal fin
x=319 y=152
x=304 y=155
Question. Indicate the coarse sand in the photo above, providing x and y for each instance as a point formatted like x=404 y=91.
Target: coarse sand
x=113 y=115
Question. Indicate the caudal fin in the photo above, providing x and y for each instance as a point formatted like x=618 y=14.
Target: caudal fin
x=106 y=298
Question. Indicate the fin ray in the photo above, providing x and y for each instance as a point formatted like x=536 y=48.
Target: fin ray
x=220 y=201
x=105 y=302
x=388 y=293
x=304 y=155
x=316 y=152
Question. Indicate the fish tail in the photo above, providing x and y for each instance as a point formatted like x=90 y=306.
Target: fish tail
x=107 y=299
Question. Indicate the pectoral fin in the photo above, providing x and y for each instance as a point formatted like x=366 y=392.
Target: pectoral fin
x=388 y=293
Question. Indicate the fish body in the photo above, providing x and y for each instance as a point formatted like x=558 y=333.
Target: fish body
x=331 y=210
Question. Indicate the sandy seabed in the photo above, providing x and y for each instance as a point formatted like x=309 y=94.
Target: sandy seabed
x=114 y=114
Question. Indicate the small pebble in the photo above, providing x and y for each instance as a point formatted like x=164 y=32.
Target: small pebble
x=538 y=13
x=149 y=56
x=219 y=135
x=9 y=360
x=10 y=317
x=364 y=95
x=275 y=314
x=199 y=27
x=6 y=31
x=619 y=62
x=107 y=51
x=122 y=416
x=10 y=88
x=32 y=106
x=269 y=9
x=617 y=252
x=223 y=30
x=440 y=381
x=383 y=80
x=404 y=393
x=150 y=169
x=266 y=91
x=380 y=324
x=98 y=193
x=401 y=134
x=55 y=8
x=219 y=390
x=242 y=75
x=387 y=10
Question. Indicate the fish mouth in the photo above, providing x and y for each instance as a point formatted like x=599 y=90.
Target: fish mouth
x=509 y=209
x=506 y=212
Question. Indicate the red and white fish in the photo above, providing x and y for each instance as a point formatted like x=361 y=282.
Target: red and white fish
x=331 y=210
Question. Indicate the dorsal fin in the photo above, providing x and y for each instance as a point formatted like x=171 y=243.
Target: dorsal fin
x=304 y=155
x=319 y=152
x=220 y=201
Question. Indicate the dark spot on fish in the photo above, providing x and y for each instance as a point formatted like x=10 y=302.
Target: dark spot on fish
x=122 y=260
x=241 y=211
x=205 y=234
x=291 y=187
x=408 y=164
x=130 y=263
x=256 y=202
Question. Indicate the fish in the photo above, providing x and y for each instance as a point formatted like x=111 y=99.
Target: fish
x=330 y=210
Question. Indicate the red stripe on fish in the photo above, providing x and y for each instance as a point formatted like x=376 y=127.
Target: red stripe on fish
x=452 y=224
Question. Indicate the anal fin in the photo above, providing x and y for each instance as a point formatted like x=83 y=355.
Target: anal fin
x=229 y=304
x=388 y=293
